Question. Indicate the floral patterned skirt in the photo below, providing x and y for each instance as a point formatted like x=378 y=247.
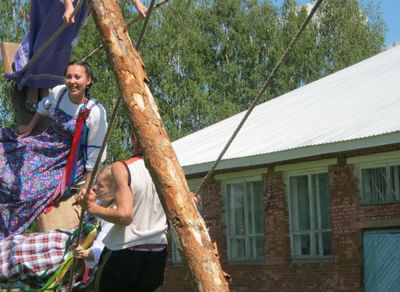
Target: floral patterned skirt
x=30 y=171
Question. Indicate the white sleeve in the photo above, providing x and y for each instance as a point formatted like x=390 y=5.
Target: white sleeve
x=97 y=126
x=50 y=101
x=98 y=245
x=96 y=250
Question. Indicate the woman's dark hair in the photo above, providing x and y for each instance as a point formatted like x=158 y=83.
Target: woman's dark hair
x=88 y=71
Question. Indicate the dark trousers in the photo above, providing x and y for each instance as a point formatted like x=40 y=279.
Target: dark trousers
x=132 y=271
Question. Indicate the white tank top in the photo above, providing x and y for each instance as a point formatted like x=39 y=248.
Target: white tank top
x=149 y=224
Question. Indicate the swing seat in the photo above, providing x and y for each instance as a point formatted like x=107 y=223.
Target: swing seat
x=8 y=51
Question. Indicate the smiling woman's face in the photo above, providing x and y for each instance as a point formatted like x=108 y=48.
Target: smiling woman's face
x=76 y=81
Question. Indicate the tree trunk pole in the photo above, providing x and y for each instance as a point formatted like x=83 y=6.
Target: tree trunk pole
x=198 y=252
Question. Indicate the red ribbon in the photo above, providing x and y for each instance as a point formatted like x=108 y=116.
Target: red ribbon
x=67 y=173
x=76 y=138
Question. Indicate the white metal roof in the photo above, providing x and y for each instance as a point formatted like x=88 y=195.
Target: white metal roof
x=354 y=108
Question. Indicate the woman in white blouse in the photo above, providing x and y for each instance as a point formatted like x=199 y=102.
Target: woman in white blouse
x=37 y=170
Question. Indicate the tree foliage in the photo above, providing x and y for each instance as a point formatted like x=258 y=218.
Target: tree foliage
x=12 y=27
x=207 y=59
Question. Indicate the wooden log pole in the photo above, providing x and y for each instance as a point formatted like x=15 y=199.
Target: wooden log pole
x=197 y=250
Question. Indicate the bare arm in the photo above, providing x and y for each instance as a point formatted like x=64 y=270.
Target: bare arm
x=141 y=9
x=68 y=10
x=122 y=213
x=25 y=130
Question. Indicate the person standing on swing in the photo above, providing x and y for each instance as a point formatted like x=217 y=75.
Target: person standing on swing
x=46 y=17
x=136 y=246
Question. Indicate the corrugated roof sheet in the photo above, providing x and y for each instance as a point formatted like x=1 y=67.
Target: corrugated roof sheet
x=355 y=103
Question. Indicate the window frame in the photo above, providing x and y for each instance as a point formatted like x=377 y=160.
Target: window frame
x=247 y=237
x=387 y=165
x=312 y=232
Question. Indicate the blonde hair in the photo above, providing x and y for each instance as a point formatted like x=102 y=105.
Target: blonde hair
x=107 y=177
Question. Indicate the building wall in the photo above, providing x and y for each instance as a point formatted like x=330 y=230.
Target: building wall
x=343 y=271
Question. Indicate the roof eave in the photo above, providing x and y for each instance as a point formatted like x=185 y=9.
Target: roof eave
x=297 y=153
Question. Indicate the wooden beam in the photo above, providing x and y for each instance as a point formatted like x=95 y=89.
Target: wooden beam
x=8 y=51
x=199 y=253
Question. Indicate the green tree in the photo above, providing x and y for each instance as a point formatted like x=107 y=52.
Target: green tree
x=12 y=27
x=207 y=59
x=351 y=33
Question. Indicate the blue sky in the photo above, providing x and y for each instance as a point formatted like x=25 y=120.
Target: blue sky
x=391 y=14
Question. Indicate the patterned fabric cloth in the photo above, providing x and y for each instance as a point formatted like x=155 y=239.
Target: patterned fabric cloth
x=31 y=259
x=48 y=70
x=30 y=170
x=32 y=255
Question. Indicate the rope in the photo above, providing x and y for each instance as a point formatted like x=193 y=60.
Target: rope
x=262 y=91
x=100 y=268
x=96 y=166
x=132 y=21
x=52 y=38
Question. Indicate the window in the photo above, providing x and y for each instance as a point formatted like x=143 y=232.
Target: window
x=245 y=220
x=309 y=200
x=380 y=184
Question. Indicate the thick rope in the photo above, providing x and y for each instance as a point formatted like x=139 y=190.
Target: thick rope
x=39 y=52
x=261 y=93
x=103 y=146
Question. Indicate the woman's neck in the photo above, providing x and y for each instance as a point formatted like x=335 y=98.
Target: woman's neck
x=77 y=99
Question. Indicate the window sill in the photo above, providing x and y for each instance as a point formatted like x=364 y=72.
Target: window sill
x=312 y=260
x=249 y=262
x=370 y=204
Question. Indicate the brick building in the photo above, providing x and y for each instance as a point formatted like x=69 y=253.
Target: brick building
x=307 y=198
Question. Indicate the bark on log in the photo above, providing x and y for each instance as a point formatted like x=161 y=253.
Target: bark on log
x=199 y=253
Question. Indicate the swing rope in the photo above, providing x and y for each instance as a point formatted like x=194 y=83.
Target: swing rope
x=132 y=21
x=210 y=173
x=103 y=146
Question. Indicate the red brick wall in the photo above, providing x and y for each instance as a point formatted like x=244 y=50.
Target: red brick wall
x=341 y=272
x=176 y=278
